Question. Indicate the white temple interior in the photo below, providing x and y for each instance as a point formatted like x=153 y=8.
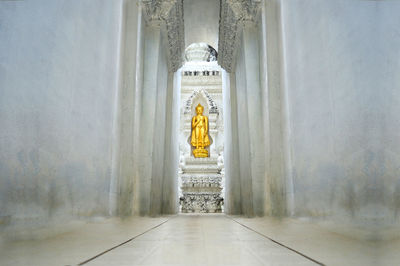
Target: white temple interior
x=199 y=132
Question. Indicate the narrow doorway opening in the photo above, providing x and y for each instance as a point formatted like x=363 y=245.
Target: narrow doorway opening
x=201 y=176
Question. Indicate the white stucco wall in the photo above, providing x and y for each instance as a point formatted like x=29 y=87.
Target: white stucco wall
x=328 y=77
x=58 y=83
x=87 y=129
x=341 y=64
x=387 y=94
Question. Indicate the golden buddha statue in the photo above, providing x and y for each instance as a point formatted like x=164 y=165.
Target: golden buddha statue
x=200 y=137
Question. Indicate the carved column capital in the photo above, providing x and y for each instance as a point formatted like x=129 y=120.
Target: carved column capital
x=170 y=14
x=245 y=10
x=234 y=13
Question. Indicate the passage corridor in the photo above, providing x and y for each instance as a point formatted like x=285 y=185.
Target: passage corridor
x=189 y=239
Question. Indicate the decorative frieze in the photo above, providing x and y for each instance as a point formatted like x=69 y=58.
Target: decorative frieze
x=201 y=73
x=201 y=181
x=233 y=14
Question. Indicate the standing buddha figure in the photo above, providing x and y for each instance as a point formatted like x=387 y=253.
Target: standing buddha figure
x=200 y=137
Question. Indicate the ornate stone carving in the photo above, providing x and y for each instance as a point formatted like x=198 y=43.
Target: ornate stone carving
x=190 y=181
x=201 y=202
x=197 y=52
x=169 y=13
x=212 y=104
x=246 y=10
x=233 y=14
x=200 y=52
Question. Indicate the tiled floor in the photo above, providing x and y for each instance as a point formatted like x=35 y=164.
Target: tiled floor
x=195 y=240
x=201 y=240
x=76 y=246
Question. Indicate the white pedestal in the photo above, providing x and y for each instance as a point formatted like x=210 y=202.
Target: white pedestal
x=201 y=186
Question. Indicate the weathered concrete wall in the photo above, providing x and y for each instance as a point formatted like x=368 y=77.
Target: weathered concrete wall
x=341 y=78
x=387 y=94
x=59 y=64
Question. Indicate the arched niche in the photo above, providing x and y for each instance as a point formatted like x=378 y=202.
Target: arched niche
x=210 y=110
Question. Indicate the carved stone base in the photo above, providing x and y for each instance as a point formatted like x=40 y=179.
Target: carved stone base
x=201 y=186
x=201 y=202
x=201 y=193
x=200 y=153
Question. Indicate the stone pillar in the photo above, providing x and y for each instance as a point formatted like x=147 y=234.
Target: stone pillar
x=239 y=55
x=231 y=149
x=251 y=118
x=271 y=83
x=170 y=184
x=148 y=133
x=129 y=107
x=163 y=44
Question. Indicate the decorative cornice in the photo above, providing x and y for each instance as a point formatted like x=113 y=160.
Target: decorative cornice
x=169 y=13
x=233 y=13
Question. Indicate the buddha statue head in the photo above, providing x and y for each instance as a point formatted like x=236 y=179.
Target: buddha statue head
x=199 y=109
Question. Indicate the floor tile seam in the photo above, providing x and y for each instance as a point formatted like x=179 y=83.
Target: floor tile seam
x=127 y=241
x=275 y=241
